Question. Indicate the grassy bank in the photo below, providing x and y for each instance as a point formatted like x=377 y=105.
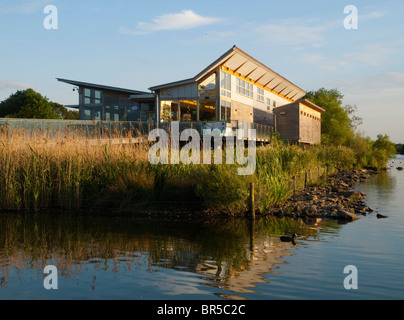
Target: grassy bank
x=66 y=173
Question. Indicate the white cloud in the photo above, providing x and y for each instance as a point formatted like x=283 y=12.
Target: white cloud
x=186 y=19
x=371 y=15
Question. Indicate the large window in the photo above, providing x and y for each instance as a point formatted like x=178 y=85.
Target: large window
x=188 y=110
x=115 y=113
x=169 y=111
x=268 y=104
x=92 y=96
x=87 y=114
x=207 y=88
x=244 y=87
x=225 y=108
x=207 y=110
x=225 y=84
x=260 y=94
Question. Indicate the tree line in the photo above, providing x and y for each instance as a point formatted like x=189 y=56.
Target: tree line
x=400 y=148
x=339 y=127
x=30 y=104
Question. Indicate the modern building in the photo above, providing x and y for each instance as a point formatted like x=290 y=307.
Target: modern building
x=100 y=102
x=234 y=91
x=234 y=87
x=299 y=122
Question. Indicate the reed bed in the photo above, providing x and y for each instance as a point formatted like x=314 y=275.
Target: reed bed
x=43 y=170
x=40 y=172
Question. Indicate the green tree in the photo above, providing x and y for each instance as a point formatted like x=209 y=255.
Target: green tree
x=27 y=104
x=336 y=127
x=64 y=113
x=356 y=121
x=383 y=143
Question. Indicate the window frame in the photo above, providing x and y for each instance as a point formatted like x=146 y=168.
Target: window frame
x=225 y=84
x=260 y=94
x=244 y=88
x=92 y=97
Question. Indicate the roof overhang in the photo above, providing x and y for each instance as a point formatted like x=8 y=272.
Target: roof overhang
x=312 y=105
x=99 y=86
x=173 y=84
x=242 y=64
x=148 y=96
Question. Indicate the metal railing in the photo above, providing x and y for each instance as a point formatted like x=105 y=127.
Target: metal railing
x=89 y=128
x=98 y=128
x=262 y=132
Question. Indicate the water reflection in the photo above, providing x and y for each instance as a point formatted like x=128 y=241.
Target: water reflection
x=229 y=256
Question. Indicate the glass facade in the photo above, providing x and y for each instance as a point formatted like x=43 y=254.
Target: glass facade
x=169 y=111
x=225 y=108
x=114 y=106
x=207 y=88
x=260 y=94
x=207 y=110
x=225 y=84
x=92 y=96
x=244 y=87
x=188 y=110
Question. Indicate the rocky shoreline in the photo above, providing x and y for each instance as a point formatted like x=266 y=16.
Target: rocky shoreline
x=333 y=200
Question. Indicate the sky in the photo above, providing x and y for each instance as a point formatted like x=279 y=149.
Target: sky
x=140 y=44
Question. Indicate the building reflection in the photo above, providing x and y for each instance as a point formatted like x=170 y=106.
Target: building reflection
x=227 y=255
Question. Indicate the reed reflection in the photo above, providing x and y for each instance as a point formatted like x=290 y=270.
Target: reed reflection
x=231 y=254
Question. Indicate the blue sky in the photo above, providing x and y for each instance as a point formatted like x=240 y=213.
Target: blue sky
x=138 y=44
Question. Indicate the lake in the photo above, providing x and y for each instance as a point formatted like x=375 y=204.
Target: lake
x=126 y=257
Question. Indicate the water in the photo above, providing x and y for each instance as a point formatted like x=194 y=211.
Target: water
x=111 y=257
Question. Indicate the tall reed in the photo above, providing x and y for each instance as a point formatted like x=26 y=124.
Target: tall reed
x=42 y=170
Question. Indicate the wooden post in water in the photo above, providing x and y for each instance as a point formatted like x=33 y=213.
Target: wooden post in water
x=252 y=220
x=252 y=204
x=77 y=195
x=305 y=179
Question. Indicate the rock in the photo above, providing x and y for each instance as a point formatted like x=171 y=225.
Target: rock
x=362 y=210
x=351 y=195
x=337 y=189
x=380 y=216
x=346 y=215
x=371 y=168
x=310 y=211
x=312 y=198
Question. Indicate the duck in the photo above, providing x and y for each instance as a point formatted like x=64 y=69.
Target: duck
x=288 y=238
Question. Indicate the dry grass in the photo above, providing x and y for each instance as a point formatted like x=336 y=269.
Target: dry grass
x=69 y=171
x=41 y=171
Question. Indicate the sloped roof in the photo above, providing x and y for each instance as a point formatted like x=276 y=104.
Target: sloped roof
x=99 y=86
x=312 y=105
x=242 y=63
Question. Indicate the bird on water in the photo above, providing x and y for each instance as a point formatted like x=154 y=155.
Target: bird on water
x=288 y=238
